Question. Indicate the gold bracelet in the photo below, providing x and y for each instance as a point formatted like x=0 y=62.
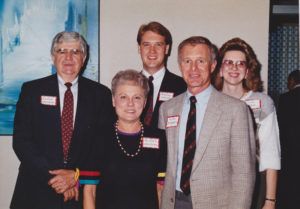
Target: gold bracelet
x=76 y=174
x=272 y=200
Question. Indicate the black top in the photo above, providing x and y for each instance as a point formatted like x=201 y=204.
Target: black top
x=129 y=182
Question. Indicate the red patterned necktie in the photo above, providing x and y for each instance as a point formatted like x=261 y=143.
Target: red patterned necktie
x=67 y=120
x=189 y=148
x=149 y=108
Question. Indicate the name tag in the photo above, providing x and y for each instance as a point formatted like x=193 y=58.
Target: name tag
x=152 y=143
x=49 y=100
x=172 y=121
x=165 y=96
x=254 y=104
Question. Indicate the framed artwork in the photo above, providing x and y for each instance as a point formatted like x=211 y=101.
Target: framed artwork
x=27 y=28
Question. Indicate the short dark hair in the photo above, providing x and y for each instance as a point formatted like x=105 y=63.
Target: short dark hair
x=295 y=75
x=155 y=27
x=194 y=40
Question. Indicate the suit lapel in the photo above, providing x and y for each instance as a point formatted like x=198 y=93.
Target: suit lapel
x=80 y=103
x=55 y=91
x=55 y=117
x=80 y=112
x=173 y=133
x=210 y=121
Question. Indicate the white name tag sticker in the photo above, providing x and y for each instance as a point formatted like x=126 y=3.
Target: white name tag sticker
x=49 y=100
x=172 y=121
x=152 y=143
x=165 y=96
x=254 y=104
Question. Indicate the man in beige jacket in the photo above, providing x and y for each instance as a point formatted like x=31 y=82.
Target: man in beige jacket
x=211 y=145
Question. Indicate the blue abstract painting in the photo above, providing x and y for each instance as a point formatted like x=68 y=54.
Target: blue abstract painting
x=27 y=28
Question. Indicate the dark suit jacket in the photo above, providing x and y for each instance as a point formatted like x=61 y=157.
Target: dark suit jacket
x=170 y=83
x=289 y=127
x=37 y=139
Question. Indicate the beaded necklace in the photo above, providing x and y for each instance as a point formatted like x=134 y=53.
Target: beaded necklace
x=121 y=146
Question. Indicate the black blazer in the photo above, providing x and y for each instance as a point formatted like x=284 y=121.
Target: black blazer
x=289 y=127
x=170 y=83
x=37 y=138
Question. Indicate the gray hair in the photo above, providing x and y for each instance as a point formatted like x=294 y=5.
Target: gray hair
x=69 y=36
x=194 y=40
x=130 y=76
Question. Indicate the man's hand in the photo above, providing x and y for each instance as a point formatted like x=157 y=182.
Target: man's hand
x=70 y=194
x=62 y=181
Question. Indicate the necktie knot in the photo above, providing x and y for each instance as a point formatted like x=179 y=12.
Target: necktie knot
x=150 y=79
x=193 y=99
x=68 y=85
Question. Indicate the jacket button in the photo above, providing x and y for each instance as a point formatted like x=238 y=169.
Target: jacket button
x=172 y=200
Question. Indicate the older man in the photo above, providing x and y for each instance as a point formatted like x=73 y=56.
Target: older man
x=56 y=121
x=211 y=145
x=154 y=42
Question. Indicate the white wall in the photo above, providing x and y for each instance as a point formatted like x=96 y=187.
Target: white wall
x=8 y=171
x=217 y=20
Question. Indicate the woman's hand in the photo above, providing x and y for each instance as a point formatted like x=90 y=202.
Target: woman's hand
x=269 y=205
x=271 y=184
x=159 y=191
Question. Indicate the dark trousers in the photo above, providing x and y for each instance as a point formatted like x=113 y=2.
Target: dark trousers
x=183 y=201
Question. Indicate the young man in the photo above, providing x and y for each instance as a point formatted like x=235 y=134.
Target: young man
x=154 y=44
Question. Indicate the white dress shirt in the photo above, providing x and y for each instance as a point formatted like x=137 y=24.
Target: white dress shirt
x=201 y=104
x=62 y=89
x=157 y=80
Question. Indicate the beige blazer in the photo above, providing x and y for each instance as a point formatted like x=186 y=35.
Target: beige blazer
x=223 y=172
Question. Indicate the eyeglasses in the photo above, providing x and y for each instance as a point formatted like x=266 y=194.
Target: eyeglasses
x=240 y=64
x=73 y=52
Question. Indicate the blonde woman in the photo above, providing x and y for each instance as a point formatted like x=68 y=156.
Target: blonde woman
x=129 y=164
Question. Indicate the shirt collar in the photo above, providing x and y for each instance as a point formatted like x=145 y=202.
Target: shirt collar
x=62 y=82
x=296 y=86
x=156 y=75
x=202 y=97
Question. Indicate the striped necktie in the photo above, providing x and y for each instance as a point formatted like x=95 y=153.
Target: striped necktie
x=149 y=107
x=189 y=148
